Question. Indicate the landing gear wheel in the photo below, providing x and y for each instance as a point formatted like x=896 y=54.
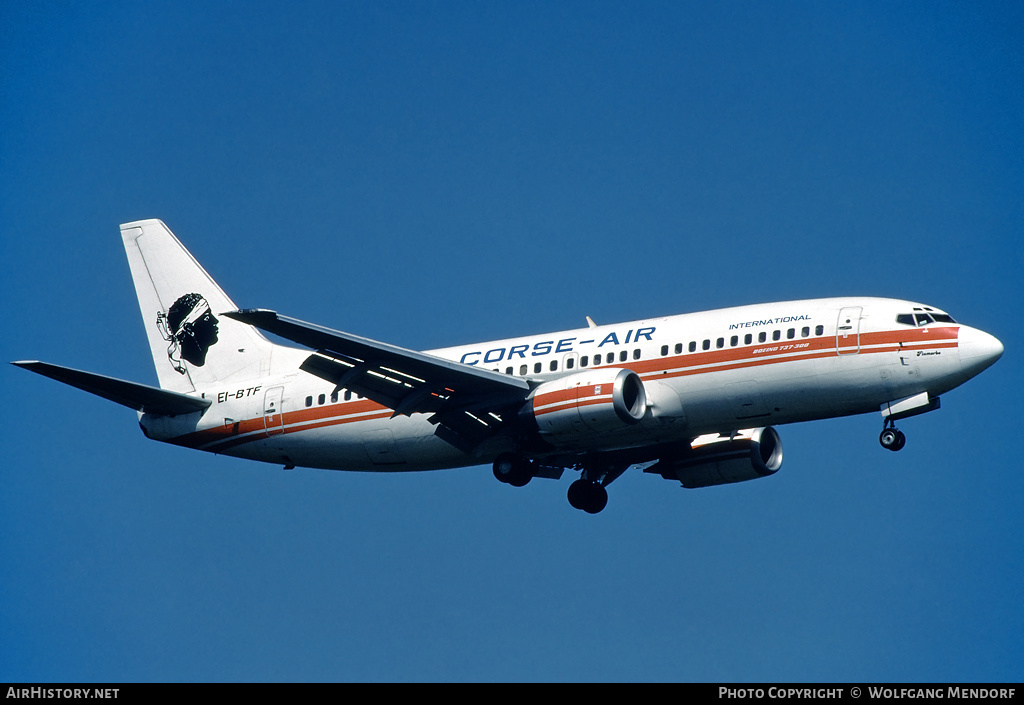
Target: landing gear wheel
x=597 y=499
x=892 y=439
x=512 y=469
x=577 y=492
x=588 y=496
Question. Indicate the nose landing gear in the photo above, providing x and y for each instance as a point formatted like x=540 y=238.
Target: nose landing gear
x=891 y=437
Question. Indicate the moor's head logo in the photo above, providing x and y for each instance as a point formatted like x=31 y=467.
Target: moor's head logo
x=190 y=328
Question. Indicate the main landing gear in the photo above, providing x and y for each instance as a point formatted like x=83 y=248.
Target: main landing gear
x=513 y=469
x=587 y=494
x=891 y=437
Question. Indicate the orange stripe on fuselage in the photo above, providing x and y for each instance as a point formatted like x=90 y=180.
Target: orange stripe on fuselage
x=576 y=396
x=774 y=352
x=780 y=351
x=573 y=403
x=227 y=436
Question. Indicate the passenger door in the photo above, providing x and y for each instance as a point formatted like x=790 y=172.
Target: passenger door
x=273 y=416
x=848 y=331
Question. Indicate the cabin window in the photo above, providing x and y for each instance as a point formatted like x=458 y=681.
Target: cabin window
x=706 y=345
x=777 y=335
x=622 y=356
x=734 y=341
x=805 y=331
x=309 y=401
x=537 y=368
x=664 y=350
x=693 y=346
x=791 y=333
x=679 y=348
x=553 y=366
x=762 y=336
x=819 y=330
x=636 y=354
x=748 y=339
x=321 y=399
x=508 y=370
x=570 y=363
x=523 y=369
x=584 y=360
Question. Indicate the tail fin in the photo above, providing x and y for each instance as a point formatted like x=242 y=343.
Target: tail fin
x=193 y=345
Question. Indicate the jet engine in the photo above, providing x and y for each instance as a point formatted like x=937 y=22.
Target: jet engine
x=720 y=460
x=588 y=403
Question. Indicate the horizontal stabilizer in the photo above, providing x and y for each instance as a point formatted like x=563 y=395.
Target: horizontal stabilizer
x=140 y=397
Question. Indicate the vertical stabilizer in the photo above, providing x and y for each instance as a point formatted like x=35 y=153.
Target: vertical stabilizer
x=193 y=345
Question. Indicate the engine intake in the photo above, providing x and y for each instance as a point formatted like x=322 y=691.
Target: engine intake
x=720 y=460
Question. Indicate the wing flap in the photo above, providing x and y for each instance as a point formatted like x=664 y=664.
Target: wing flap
x=141 y=397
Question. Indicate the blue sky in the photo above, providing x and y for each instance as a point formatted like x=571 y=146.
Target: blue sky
x=436 y=173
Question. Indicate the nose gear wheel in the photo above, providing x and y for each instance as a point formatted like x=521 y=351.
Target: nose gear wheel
x=891 y=437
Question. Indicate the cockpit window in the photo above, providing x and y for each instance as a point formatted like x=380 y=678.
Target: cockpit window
x=923 y=319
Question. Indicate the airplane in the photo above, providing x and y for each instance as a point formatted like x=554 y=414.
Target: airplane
x=694 y=398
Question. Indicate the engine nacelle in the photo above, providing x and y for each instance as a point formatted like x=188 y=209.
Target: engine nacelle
x=720 y=460
x=588 y=403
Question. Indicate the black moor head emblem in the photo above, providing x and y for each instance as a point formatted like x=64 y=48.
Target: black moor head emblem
x=190 y=328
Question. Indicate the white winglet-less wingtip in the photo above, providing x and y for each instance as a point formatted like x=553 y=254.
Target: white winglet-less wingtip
x=687 y=397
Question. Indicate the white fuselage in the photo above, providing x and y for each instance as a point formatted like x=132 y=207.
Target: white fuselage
x=708 y=372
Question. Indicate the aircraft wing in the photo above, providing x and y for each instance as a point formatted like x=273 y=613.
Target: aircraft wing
x=140 y=397
x=463 y=399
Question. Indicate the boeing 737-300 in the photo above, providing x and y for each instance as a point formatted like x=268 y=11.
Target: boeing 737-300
x=693 y=398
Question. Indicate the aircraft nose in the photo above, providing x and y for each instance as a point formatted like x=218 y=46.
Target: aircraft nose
x=978 y=350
